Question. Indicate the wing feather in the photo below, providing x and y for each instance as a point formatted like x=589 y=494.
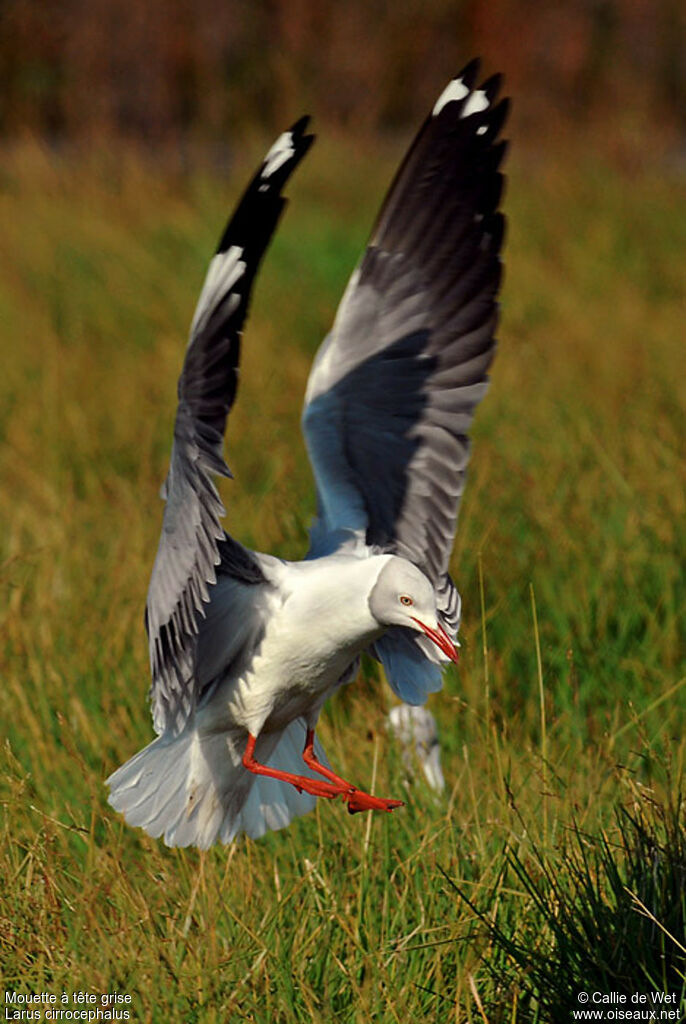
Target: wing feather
x=393 y=389
x=193 y=546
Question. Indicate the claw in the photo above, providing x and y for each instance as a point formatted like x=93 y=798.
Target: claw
x=358 y=801
x=336 y=786
x=354 y=798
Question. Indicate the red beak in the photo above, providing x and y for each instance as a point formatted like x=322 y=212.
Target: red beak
x=440 y=638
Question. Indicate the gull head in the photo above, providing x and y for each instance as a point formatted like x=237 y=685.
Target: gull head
x=403 y=596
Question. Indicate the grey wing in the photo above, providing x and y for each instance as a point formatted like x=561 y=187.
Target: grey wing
x=394 y=387
x=192 y=542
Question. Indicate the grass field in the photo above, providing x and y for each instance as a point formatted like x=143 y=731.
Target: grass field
x=569 y=701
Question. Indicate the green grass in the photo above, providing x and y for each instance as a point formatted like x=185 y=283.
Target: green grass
x=608 y=914
x=575 y=508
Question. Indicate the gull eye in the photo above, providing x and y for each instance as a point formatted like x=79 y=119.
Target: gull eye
x=406 y=600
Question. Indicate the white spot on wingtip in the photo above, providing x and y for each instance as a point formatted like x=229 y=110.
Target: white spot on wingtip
x=477 y=102
x=225 y=270
x=281 y=151
x=455 y=90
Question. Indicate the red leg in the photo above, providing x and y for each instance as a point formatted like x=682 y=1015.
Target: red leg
x=301 y=782
x=312 y=761
x=355 y=798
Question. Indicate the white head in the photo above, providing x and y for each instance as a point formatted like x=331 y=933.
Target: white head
x=404 y=596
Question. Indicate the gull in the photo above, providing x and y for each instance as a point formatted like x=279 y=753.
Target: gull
x=246 y=648
x=415 y=728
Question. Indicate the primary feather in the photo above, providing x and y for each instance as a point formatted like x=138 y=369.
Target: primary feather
x=393 y=390
x=192 y=543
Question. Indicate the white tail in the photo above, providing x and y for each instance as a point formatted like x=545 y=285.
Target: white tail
x=193 y=789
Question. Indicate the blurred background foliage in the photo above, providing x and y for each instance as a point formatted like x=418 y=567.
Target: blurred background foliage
x=192 y=72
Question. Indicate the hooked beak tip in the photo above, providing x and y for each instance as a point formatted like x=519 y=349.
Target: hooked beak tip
x=440 y=638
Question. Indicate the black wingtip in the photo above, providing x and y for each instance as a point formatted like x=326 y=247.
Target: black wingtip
x=304 y=143
x=254 y=219
x=463 y=97
x=301 y=141
x=470 y=72
x=278 y=166
x=492 y=86
x=300 y=125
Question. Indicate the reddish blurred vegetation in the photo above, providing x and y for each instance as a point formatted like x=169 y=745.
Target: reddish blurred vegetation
x=201 y=70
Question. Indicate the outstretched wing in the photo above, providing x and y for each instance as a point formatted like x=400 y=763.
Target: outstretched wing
x=394 y=387
x=193 y=543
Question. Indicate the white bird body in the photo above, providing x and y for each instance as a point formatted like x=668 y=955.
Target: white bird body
x=311 y=637
x=246 y=648
x=313 y=634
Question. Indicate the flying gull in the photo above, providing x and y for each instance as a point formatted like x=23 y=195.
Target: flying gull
x=245 y=648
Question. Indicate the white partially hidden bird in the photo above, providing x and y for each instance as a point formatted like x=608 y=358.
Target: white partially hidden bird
x=245 y=648
x=415 y=728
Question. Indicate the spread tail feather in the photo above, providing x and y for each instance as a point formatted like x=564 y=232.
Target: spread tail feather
x=193 y=789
